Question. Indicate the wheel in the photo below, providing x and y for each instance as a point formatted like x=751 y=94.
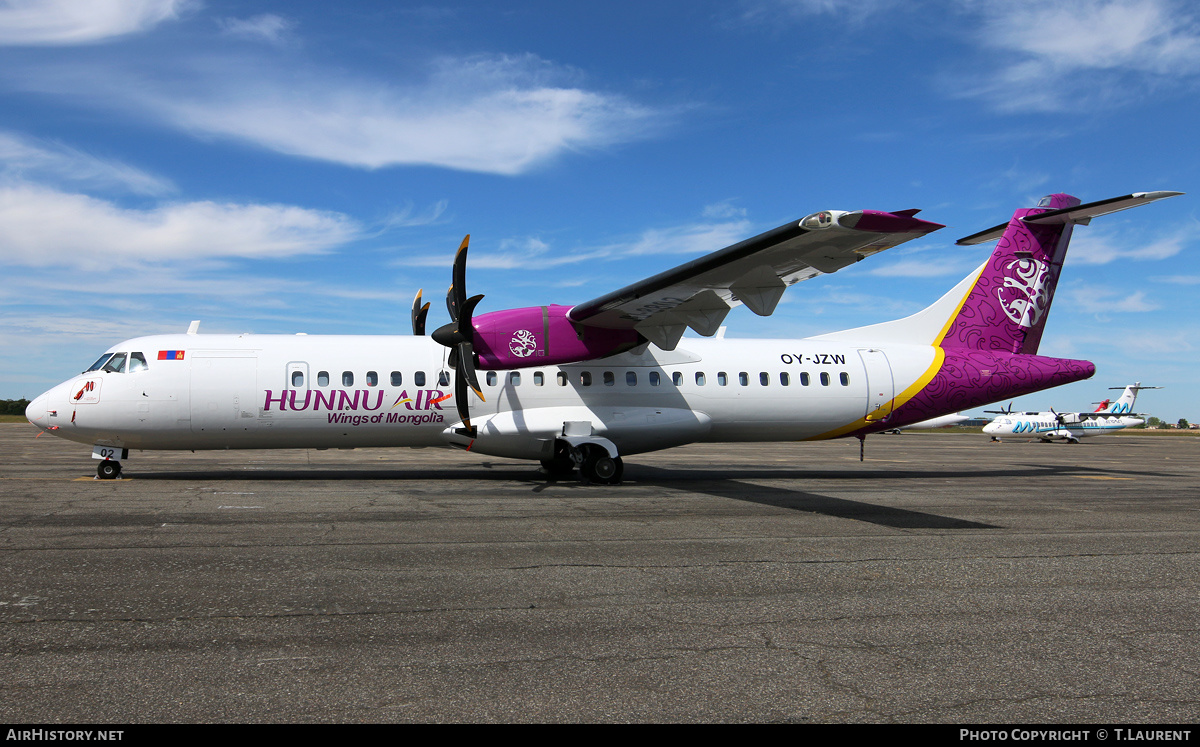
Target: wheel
x=108 y=470
x=561 y=463
x=600 y=468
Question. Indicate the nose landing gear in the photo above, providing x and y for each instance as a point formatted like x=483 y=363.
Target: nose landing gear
x=110 y=458
x=109 y=469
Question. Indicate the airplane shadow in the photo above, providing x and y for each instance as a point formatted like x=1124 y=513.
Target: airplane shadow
x=734 y=484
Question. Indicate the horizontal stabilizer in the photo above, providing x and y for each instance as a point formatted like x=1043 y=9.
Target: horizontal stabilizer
x=1077 y=214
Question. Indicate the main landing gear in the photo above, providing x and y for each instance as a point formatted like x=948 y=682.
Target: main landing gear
x=594 y=463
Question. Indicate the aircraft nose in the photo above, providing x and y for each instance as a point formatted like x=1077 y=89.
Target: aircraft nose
x=36 y=412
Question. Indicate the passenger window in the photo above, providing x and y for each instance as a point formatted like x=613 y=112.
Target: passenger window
x=397 y=378
x=722 y=378
x=443 y=378
x=631 y=378
x=116 y=364
x=845 y=379
x=347 y=378
x=419 y=378
x=655 y=379
x=744 y=378
x=562 y=378
x=297 y=379
x=514 y=378
x=609 y=379
x=804 y=380
x=784 y=379
x=100 y=362
x=824 y=379
x=323 y=378
x=372 y=378
x=137 y=362
x=699 y=378
x=539 y=378
x=585 y=378
x=764 y=378
x=491 y=378
x=677 y=378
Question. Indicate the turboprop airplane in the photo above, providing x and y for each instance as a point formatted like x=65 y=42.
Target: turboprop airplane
x=1070 y=426
x=583 y=386
x=944 y=421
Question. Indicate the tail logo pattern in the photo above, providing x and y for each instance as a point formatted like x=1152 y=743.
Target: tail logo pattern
x=1026 y=293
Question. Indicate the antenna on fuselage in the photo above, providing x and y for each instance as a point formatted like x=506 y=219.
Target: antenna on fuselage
x=194 y=327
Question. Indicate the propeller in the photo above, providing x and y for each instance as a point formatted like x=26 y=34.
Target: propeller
x=419 y=313
x=459 y=335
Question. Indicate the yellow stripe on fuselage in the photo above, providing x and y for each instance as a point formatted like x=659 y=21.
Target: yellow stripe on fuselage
x=939 y=356
x=961 y=302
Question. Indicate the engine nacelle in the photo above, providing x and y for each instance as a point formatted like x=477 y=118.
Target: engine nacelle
x=543 y=336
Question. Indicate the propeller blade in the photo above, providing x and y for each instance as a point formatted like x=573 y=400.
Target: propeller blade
x=460 y=400
x=466 y=367
x=464 y=317
x=457 y=293
x=459 y=335
x=419 y=313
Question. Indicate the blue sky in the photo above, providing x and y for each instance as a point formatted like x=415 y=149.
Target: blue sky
x=306 y=167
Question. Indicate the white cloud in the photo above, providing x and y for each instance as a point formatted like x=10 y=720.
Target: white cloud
x=856 y=10
x=1102 y=248
x=724 y=209
x=915 y=267
x=1104 y=300
x=492 y=114
x=696 y=239
x=63 y=22
x=1060 y=54
x=27 y=158
x=532 y=253
x=267 y=27
x=45 y=227
x=1177 y=279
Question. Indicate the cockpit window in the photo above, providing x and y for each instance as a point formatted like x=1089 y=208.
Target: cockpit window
x=100 y=362
x=137 y=362
x=116 y=364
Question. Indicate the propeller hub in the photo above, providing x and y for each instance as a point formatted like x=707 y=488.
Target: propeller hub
x=448 y=335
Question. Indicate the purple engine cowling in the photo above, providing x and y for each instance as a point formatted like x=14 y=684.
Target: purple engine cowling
x=542 y=336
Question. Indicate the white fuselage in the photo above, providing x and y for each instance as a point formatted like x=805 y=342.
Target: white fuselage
x=277 y=391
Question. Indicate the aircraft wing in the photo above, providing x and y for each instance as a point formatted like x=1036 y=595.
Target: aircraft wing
x=754 y=272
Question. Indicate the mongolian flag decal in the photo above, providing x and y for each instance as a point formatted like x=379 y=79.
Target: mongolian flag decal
x=170 y=355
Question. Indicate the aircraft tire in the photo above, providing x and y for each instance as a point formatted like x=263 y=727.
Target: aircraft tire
x=108 y=470
x=600 y=468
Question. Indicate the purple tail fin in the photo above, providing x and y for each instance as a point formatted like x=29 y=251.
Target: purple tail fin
x=1006 y=309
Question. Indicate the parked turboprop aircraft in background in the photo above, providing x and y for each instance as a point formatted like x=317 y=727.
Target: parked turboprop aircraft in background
x=1070 y=426
x=606 y=378
x=945 y=421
